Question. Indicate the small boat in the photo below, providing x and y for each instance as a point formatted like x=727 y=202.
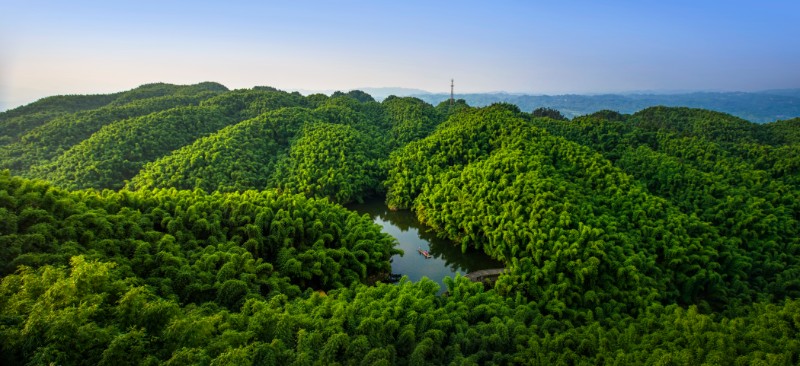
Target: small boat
x=424 y=253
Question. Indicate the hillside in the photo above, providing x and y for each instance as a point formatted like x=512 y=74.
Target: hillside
x=31 y=143
x=200 y=225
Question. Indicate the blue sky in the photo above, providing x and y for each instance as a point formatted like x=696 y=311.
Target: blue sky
x=539 y=47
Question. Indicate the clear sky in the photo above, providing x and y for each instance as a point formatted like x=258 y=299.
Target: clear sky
x=539 y=47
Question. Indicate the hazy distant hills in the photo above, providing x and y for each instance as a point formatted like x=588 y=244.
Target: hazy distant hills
x=786 y=92
x=382 y=93
x=758 y=107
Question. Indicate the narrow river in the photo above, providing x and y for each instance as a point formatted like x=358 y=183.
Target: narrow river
x=446 y=257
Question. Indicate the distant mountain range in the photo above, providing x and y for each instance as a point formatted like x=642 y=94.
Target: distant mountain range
x=765 y=106
x=381 y=93
x=755 y=107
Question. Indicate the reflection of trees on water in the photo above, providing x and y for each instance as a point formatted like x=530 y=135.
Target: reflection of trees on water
x=450 y=252
x=403 y=219
x=439 y=248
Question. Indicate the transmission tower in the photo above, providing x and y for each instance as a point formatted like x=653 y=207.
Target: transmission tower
x=452 y=101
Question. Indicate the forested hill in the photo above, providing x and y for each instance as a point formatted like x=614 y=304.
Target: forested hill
x=199 y=225
x=760 y=107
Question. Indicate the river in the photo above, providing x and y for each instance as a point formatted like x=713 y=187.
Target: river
x=446 y=257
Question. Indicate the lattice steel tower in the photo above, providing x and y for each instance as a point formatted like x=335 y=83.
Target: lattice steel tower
x=452 y=101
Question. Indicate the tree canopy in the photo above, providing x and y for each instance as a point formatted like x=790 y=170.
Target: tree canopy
x=200 y=225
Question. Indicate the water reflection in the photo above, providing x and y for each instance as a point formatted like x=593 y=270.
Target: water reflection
x=446 y=257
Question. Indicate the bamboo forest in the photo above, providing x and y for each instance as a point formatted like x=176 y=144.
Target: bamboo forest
x=197 y=225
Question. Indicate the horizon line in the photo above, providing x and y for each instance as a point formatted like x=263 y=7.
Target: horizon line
x=418 y=91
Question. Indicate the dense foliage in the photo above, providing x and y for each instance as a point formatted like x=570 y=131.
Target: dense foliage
x=668 y=236
x=40 y=143
x=118 y=151
x=149 y=231
x=577 y=233
x=335 y=150
x=331 y=160
x=20 y=120
x=89 y=314
x=235 y=158
x=709 y=165
x=410 y=118
x=548 y=112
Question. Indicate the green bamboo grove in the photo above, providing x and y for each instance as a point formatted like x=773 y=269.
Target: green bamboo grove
x=196 y=225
